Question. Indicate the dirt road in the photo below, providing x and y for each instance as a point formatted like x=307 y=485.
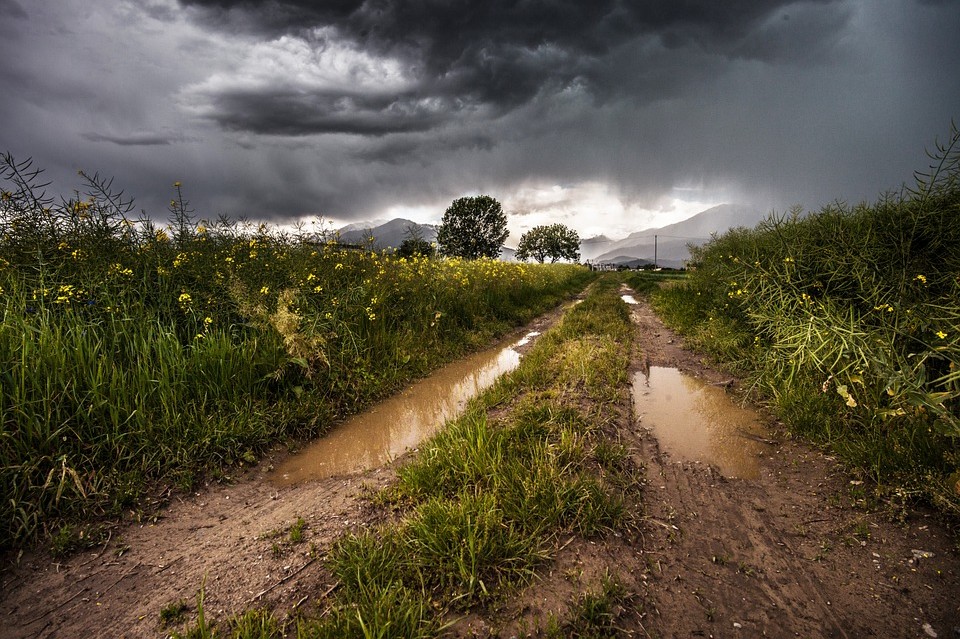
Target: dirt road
x=787 y=554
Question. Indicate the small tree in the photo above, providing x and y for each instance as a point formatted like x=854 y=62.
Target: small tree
x=555 y=241
x=473 y=227
x=414 y=245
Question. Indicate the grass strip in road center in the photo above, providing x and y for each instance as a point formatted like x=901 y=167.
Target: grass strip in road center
x=487 y=500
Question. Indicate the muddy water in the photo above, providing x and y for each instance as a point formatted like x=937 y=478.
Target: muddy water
x=695 y=421
x=377 y=436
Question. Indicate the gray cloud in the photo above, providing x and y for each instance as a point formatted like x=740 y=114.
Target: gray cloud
x=278 y=109
x=494 y=57
x=132 y=139
x=11 y=9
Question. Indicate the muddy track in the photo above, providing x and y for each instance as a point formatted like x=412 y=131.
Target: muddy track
x=231 y=538
x=784 y=555
x=787 y=554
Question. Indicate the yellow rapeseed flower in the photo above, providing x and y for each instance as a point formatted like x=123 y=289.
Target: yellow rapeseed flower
x=941 y=334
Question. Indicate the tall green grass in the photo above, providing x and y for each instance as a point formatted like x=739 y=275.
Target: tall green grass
x=488 y=500
x=849 y=318
x=134 y=354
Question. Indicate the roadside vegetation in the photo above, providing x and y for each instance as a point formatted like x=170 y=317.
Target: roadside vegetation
x=135 y=356
x=490 y=499
x=553 y=242
x=848 y=320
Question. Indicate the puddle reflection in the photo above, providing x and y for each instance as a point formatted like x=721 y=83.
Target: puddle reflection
x=401 y=422
x=696 y=421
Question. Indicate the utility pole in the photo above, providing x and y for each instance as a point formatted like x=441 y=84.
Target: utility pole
x=654 y=251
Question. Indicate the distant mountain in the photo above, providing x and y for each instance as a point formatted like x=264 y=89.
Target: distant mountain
x=391 y=234
x=630 y=262
x=668 y=244
x=386 y=235
x=360 y=226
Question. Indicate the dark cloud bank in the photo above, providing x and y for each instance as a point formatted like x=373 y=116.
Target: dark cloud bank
x=491 y=58
x=765 y=102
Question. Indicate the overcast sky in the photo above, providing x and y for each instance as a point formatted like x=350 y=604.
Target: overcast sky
x=606 y=115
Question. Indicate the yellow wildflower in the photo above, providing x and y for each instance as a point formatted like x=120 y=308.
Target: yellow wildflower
x=941 y=334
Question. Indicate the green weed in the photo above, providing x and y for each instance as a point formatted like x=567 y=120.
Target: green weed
x=848 y=319
x=136 y=352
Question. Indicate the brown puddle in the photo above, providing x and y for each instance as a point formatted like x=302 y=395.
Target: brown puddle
x=699 y=422
x=379 y=435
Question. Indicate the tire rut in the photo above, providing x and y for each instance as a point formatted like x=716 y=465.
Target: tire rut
x=777 y=556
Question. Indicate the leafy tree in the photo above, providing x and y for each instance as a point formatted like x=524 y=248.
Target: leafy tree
x=555 y=241
x=414 y=244
x=473 y=227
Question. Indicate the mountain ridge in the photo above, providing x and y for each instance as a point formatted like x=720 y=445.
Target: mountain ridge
x=666 y=246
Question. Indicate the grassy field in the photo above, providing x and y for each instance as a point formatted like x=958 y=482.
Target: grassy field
x=848 y=320
x=487 y=501
x=136 y=356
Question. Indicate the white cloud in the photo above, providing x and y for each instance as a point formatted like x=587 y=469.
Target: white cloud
x=295 y=64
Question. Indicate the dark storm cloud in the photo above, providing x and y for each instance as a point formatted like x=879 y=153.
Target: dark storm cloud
x=133 y=139
x=296 y=113
x=494 y=57
x=12 y=9
x=359 y=110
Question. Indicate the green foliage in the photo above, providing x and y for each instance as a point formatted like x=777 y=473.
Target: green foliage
x=594 y=614
x=132 y=353
x=556 y=242
x=411 y=247
x=850 y=318
x=489 y=499
x=473 y=227
x=414 y=245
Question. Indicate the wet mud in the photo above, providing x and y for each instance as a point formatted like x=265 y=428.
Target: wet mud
x=795 y=548
x=397 y=425
x=697 y=421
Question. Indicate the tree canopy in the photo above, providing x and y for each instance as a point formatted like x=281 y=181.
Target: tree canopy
x=555 y=242
x=414 y=244
x=473 y=227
